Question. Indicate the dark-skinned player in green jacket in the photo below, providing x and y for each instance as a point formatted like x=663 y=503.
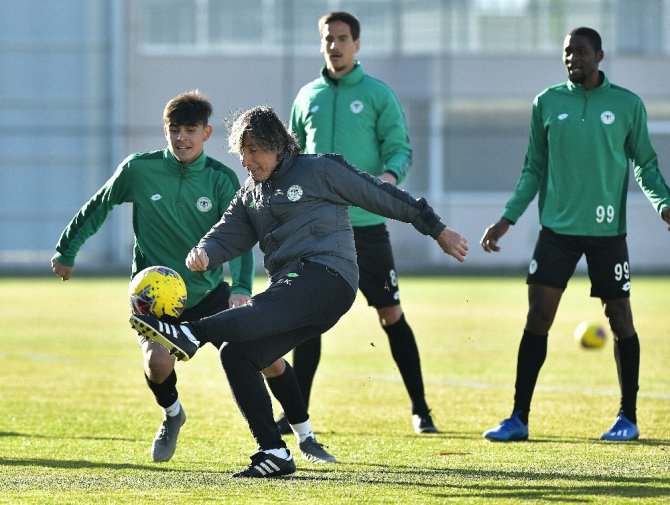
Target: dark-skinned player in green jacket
x=584 y=134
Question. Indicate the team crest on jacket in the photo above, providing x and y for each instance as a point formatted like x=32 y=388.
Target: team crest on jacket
x=294 y=193
x=204 y=204
x=356 y=106
x=607 y=117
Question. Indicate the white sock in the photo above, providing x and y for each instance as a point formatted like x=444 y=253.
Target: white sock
x=173 y=409
x=302 y=431
x=280 y=453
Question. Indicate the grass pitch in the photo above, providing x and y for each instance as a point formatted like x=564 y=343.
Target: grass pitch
x=77 y=418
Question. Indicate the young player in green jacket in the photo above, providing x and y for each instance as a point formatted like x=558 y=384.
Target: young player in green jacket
x=583 y=134
x=348 y=112
x=178 y=194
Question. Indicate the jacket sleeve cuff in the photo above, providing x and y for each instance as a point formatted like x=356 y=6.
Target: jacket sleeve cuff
x=506 y=216
x=437 y=230
x=239 y=290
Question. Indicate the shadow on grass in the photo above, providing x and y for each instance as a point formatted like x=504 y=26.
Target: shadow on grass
x=482 y=483
x=31 y=435
x=82 y=463
x=579 y=490
x=445 y=435
x=438 y=483
x=651 y=442
x=560 y=494
x=507 y=474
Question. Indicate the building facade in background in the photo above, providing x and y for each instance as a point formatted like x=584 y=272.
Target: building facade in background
x=84 y=83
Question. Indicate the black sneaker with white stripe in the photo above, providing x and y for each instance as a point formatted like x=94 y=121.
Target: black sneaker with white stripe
x=176 y=338
x=268 y=465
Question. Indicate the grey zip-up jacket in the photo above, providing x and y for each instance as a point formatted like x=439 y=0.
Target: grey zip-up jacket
x=300 y=213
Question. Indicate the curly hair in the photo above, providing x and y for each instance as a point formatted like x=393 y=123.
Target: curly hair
x=264 y=126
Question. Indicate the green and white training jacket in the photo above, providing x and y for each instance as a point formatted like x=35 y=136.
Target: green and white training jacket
x=358 y=117
x=174 y=206
x=581 y=142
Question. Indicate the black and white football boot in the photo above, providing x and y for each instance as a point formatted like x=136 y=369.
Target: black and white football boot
x=265 y=465
x=176 y=338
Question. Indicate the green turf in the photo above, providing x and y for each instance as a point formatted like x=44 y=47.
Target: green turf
x=77 y=419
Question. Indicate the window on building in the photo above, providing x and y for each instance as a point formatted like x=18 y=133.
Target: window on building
x=402 y=26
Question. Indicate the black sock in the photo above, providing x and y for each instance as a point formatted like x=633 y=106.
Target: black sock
x=285 y=389
x=165 y=392
x=627 y=357
x=532 y=353
x=208 y=330
x=406 y=355
x=305 y=362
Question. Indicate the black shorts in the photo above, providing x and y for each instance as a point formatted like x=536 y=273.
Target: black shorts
x=378 y=281
x=556 y=256
x=216 y=301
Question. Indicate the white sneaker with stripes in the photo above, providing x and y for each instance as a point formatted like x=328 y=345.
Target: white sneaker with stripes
x=264 y=465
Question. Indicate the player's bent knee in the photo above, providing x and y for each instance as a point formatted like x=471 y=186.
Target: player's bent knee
x=538 y=323
x=620 y=317
x=158 y=372
x=230 y=354
x=275 y=369
x=158 y=363
x=389 y=315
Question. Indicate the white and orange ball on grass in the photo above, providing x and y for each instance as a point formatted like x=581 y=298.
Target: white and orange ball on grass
x=590 y=335
x=157 y=291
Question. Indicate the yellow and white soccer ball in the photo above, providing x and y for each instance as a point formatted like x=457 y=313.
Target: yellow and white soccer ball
x=157 y=291
x=590 y=335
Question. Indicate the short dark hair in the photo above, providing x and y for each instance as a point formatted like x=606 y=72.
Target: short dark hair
x=591 y=34
x=264 y=126
x=345 y=17
x=188 y=108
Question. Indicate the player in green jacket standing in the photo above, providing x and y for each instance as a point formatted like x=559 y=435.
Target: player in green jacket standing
x=348 y=112
x=583 y=134
x=178 y=194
